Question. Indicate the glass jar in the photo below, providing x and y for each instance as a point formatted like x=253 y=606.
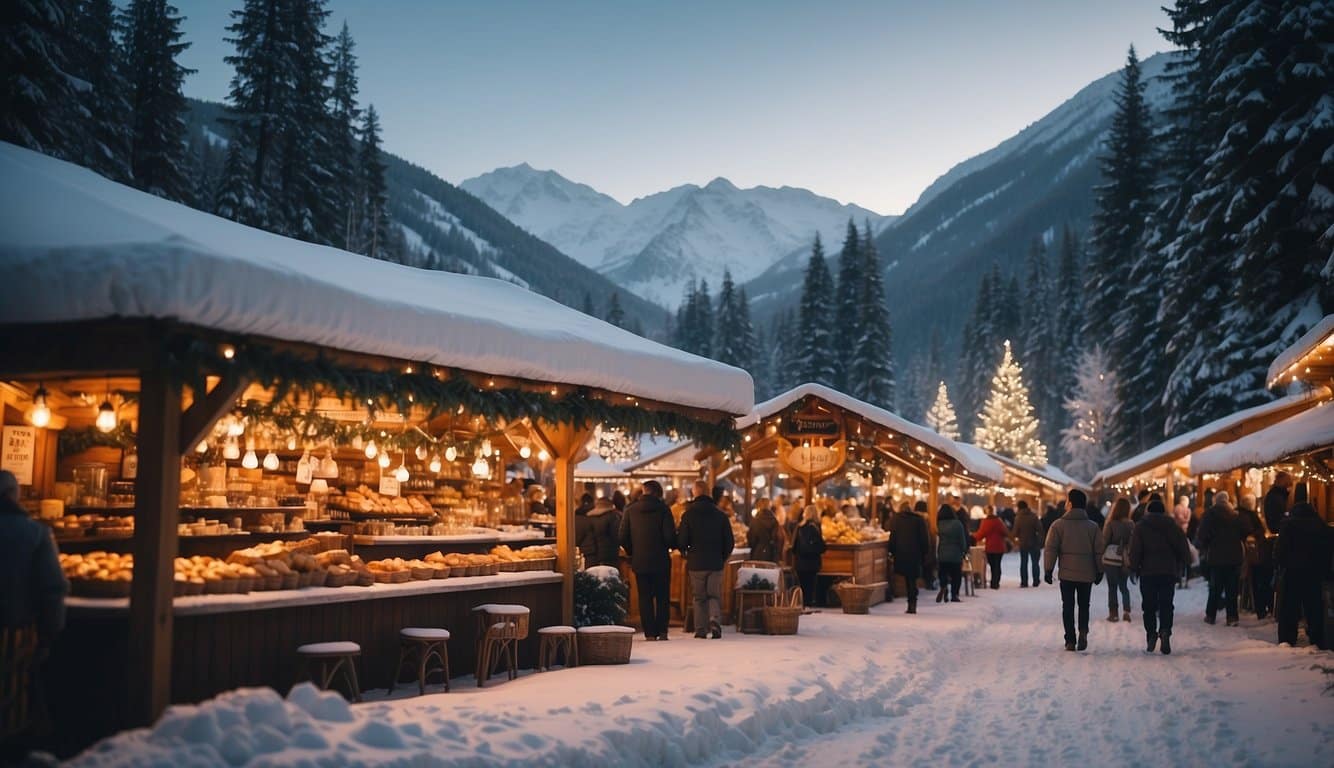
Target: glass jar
x=90 y=481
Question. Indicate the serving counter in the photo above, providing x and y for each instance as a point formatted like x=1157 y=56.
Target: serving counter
x=863 y=563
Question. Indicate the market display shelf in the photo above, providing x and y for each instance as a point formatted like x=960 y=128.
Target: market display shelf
x=229 y=511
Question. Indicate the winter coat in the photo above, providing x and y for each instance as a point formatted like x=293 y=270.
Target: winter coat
x=1276 y=507
x=1007 y=516
x=1075 y=543
x=1118 y=532
x=1049 y=517
x=951 y=541
x=765 y=537
x=807 y=546
x=1253 y=527
x=1158 y=547
x=1303 y=548
x=909 y=542
x=1220 y=536
x=604 y=535
x=583 y=530
x=1137 y=513
x=1097 y=517
x=32 y=585
x=1028 y=529
x=993 y=533
x=648 y=534
x=705 y=538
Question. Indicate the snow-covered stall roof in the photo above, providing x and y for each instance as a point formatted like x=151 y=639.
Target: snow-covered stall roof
x=669 y=457
x=650 y=448
x=1213 y=432
x=975 y=462
x=1053 y=475
x=76 y=246
x=1321 y=334
x=1307 y=431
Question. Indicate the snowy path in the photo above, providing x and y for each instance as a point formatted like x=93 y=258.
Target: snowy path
x=986 y=681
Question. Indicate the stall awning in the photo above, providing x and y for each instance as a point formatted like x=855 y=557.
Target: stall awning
x=1310 y=358
x=75 y=246
x=1049 y=475
x=975 y=462
x=1308 y=431
x=1221 y=430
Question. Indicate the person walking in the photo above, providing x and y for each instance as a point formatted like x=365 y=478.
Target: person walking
x=1158 y=550
x=1302 y=555
x=648 y=534
x=992 y=534
x=604 y=535
x=1051 y=515
x=807 y=548
x=583 y=527
x=705 y=541
x=765 y=535
x=1141 y=506
x=1075 y=544
x=951 y=549
x=1259 y=556
x=1028 y=537
x=1276 y=501
x=1116 y=535
x=909 y=543
x=1220 y=546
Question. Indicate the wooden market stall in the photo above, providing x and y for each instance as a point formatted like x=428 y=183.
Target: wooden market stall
x=1039 y=485
x=173 y=340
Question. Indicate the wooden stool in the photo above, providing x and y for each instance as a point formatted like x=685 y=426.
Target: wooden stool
x=764 y=596
x=343 y=655
x=554 y=640
x=968 y=576
x=420 y=645
x=499 y=628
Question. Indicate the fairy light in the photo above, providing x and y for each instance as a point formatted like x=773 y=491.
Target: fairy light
x=451 y=453
x=271 y=461
x=435 y=466
x=371 y=450
x=401 y=474
x=525 y=452
x=106 y=416
x=383 y=461
x=41 y=412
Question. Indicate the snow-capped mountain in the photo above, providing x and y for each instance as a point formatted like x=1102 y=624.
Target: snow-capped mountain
x=657 y=244
x=986 y=209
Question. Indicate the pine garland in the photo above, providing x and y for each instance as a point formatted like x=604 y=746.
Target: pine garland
x=72 y=441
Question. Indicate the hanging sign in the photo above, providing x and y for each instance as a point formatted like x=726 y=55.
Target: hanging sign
x=388 y=484
x=810 y=459
x=812 y=423
x=19 y=452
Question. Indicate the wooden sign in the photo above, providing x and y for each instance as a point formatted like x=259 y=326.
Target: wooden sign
x=19 y=452
x=813 y=460
x=812 y=423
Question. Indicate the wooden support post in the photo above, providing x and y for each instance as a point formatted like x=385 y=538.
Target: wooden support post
x=1170 y=499
x=566 y=444
x=933 y=501
x=749 y=491
x=204 y=412
x=156 y=512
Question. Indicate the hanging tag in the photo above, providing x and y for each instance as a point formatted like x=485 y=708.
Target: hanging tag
x=388 y=485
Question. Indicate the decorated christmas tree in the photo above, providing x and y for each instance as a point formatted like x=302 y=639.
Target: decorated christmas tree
x=941 y=416
x=1007 y=424
x=1093 y=408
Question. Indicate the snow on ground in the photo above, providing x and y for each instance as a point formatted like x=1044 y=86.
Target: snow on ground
x=982 y=682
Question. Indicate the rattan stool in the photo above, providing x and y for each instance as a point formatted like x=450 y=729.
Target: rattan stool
x=499 y=630
x=420 y=645
x=554 y=640
x=343 y=655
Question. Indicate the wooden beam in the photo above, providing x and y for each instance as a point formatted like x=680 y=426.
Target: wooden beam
x=565 y=442
x=157 y=496
x=198 y=420
x=932 y=500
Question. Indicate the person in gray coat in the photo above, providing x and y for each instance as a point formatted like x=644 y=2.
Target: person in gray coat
x=1075 y=544
x=951 y=549
x=1028 y=538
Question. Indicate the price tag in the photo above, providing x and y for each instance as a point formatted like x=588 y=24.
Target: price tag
x=304 y=473
x=388 y=485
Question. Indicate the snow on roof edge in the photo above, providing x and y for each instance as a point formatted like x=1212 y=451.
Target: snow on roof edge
x=1299 y=349
x=1309 y=430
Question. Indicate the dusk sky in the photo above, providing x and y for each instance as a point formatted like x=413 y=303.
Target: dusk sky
x=866 y=102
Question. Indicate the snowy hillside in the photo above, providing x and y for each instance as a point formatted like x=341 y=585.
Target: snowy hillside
x=657 y=244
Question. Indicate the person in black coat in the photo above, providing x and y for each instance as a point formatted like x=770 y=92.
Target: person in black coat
x=807 y=547
x=1276 y=501
x=1302 y=554
x=1220 y=544
x=1052 y=514
x=1158 y=552
x=910 y=542
x=604 y=535
x=1256 y=538
x=1141 y=506
x=648 y=534
x=765 y=535
x=583 y=527
x=705 y=541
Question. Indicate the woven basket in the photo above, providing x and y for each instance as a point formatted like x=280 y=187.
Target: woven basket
x=422 y=574
x=511 y=566
x=783 y=619
x=291 y=580
x=440 y=572
x=100 y=588
x=855 y=598
x=340 y=579
x=605 y=647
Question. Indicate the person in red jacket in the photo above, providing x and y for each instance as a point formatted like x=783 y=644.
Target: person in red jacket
x=992 y=533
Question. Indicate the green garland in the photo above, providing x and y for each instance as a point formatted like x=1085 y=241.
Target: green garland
x=72 y=441
x=438 y=390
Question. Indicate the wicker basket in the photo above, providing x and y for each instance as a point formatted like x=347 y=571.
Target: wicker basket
x=291 y=580
x=511 y=566
x=440 y=572
x=422 y=574
x=367 y=579
x=601 y=647
x=783 y=619
x=100 y=588
x=392 y=577
x=340 y=579
x=245 y=584
x=855 y=598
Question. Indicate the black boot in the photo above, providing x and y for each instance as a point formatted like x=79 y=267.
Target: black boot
x=912 y=606
x=715 y=630
x=940 y=596
x=1165 y=645
x=1152 y=638
x=1083 y=641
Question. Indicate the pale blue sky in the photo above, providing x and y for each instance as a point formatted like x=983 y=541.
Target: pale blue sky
x=866 y=102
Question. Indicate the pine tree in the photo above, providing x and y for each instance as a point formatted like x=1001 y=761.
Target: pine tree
x=1007 y=424
x=615 y=315
x=1069 y=303
x=1092 y=412
x=941 y=417
x=97 y=60
x=307 y=167
x=871 y=370
x=39 y=102
x=728 y=344
x=817 y=338
x=702 y=324
x=1039 y=340
x=259 y=111
x=345 y=115
x=157 y=105
x=752 y=357
x=588 y=308
x=981 y=341
x=373 y=191
x=848 y=310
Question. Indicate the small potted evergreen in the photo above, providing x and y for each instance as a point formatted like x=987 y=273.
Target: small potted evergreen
x=600 y=600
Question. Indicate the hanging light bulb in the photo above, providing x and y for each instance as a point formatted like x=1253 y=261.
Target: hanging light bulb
x=383 y=461
x=371 y=450
x=41 y=413
x=525 y=452
x=480 y=467
x=202 y=448
x=451 y=453
x=231 y=450
x=401 y=474
x=106 y=417
x=250 y=460
x=542 y=455
x=328 y=467
x=420 y=453
x=235 y=428
x=271 y=461
x=291 y=443
x=486 y=446
x=435 y=466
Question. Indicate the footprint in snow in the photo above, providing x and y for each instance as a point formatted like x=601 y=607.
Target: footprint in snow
x=626 y=699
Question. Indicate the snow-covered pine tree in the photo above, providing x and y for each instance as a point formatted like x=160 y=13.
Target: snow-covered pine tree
x=728 y=344
x=259 y=112
x=816 y=334
x=1039 y=340
x=1007 y=424
x=615 y=314
x=345 y=115
x=847 y=310
x=588 y=308
x=785 y=367
x=97 y=60
x=1069 y=303
x=981 y=342
x=39 y=103
x=871 y=369
x=941 y=416
x=157 y=105
x=374 y=193
x=702 y=324
x=1092 y=411
x=751 y=343
x=306 y=173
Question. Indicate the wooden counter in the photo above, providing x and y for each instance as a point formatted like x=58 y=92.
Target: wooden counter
x=864 y=563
